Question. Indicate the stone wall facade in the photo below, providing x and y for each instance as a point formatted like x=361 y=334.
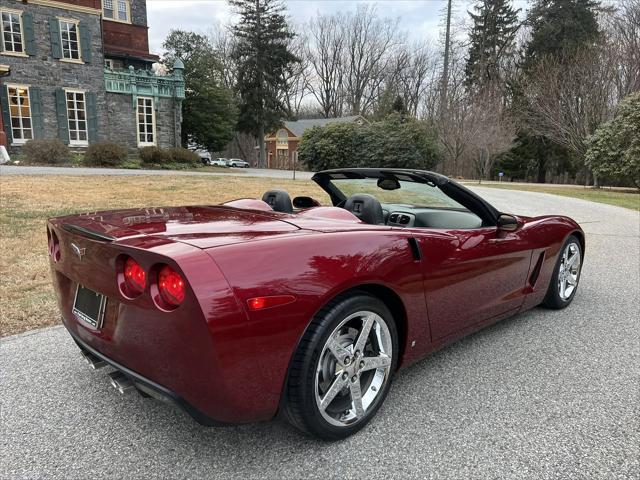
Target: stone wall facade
x=115 y=112
x=47 y=73
x=122 y=127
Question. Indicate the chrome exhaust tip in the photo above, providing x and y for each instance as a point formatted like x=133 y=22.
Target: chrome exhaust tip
x=121 y=382
x=94 y=362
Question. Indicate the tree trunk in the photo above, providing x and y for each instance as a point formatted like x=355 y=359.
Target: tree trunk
x=262 y=160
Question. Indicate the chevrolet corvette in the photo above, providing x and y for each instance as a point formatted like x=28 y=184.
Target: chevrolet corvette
x=255 y=308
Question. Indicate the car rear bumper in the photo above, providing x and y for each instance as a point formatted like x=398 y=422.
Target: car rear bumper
x=150 y=387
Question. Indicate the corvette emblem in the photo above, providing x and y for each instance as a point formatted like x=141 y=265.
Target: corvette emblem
x=78 y=251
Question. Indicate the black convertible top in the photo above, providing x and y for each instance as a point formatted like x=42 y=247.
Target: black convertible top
x=451 y=188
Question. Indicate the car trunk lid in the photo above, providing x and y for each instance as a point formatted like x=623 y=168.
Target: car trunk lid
x=199 y=226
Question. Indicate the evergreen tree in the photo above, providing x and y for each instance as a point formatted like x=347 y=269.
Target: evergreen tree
x=263 y=62
x=558 y=28
x=492 y=38
x=208 y=110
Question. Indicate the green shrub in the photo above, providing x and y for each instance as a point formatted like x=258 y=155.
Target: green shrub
x=154 y=156
x=105 y=154
x=614 y=148
x=46 y=152
x=184 y=156
x=395 y=142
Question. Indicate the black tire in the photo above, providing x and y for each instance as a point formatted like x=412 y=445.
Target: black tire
x=553 y=299
x=299 y=403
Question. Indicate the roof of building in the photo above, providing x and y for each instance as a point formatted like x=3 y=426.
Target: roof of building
x=299 y=126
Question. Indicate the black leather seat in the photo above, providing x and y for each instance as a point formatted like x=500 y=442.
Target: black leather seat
x=366 y=207
x=279 y=200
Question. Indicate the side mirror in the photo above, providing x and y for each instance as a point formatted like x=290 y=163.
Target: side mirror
x=508 y=223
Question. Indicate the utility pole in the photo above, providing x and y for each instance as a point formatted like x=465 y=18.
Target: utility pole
x=445 y=67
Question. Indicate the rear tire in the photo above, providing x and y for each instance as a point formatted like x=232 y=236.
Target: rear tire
x=566 y=275
x=339 y=377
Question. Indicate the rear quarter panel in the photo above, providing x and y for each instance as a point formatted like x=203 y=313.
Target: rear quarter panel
x=316 y=268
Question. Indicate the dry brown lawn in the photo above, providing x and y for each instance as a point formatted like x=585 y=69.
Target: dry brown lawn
x=26 y=296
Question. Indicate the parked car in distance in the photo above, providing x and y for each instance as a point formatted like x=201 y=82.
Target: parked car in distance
x=219 y=162
x=238 y=163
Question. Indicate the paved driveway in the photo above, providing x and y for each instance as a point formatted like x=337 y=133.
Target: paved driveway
x=248 y=172
x=547 y=394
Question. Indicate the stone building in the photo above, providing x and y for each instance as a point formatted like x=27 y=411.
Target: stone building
x=81 y=71
x=282 y=145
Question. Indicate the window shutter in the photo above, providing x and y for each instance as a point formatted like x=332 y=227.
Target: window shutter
x=6 y=117
x=56 y=47
x=37 y=116
x=85 y=42
x=92 y=117
x=29 y=35
x=63 y=121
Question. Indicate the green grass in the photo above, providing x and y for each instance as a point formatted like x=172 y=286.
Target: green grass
x=627 y=199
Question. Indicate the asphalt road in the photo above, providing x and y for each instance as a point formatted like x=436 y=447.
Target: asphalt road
x=245 y=172
x=547 y=394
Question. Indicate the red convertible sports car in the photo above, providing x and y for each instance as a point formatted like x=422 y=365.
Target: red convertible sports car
x=244 y=310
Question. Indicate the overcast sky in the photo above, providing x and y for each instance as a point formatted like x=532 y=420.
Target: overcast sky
x=419 y=18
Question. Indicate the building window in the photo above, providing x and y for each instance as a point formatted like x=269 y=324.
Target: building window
x=20 y=113
x=12 y=32
x=77 y=117
x=108 y=64
x=118 y=10
x=70 y=40
x=146 y=122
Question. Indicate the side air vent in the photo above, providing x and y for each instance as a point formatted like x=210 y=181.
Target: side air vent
x=393 y=218
x=404 y=219
x=536 y=270
x=415 y=249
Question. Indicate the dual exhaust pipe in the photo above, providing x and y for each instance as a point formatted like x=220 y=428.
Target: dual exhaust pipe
x=119 y=380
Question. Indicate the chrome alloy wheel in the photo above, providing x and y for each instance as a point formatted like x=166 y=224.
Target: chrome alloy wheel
x=353 y=368
x=569 y=271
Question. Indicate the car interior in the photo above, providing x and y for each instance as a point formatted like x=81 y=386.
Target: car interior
x=369 y=210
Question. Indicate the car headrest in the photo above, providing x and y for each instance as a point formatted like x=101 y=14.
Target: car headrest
x=279 y=200
x=366 y=207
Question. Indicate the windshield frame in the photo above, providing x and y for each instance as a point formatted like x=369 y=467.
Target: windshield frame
x=450 y=188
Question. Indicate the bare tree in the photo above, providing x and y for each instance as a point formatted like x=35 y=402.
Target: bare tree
x=297 y=78
x=223 y=41
x=369 y=40
x=325 y=54
x=622 y=29
x=566 y=100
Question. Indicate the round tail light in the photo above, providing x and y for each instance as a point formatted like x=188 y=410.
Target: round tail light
x=135 y=278
x=171 y=286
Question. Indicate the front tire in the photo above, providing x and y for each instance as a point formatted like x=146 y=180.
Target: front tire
x=566 y=275
x=342 y=369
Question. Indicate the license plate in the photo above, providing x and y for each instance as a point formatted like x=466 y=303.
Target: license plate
x=89 y=306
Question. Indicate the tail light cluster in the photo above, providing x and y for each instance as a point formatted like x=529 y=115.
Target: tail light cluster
x=53 y=245
x=167 y=287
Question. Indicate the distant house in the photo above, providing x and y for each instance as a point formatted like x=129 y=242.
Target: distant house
x=282 y=145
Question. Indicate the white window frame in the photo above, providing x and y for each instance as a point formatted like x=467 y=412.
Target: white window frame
x=108 y=63
x=62 y=21
x=77 y=142
x=116 y=11
x=2 y=32
x=19 y=141
x=153 y=122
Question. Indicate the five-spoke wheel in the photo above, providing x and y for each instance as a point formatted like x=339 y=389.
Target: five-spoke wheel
x=343 y=368
x=566 y=275
x=353 y=368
